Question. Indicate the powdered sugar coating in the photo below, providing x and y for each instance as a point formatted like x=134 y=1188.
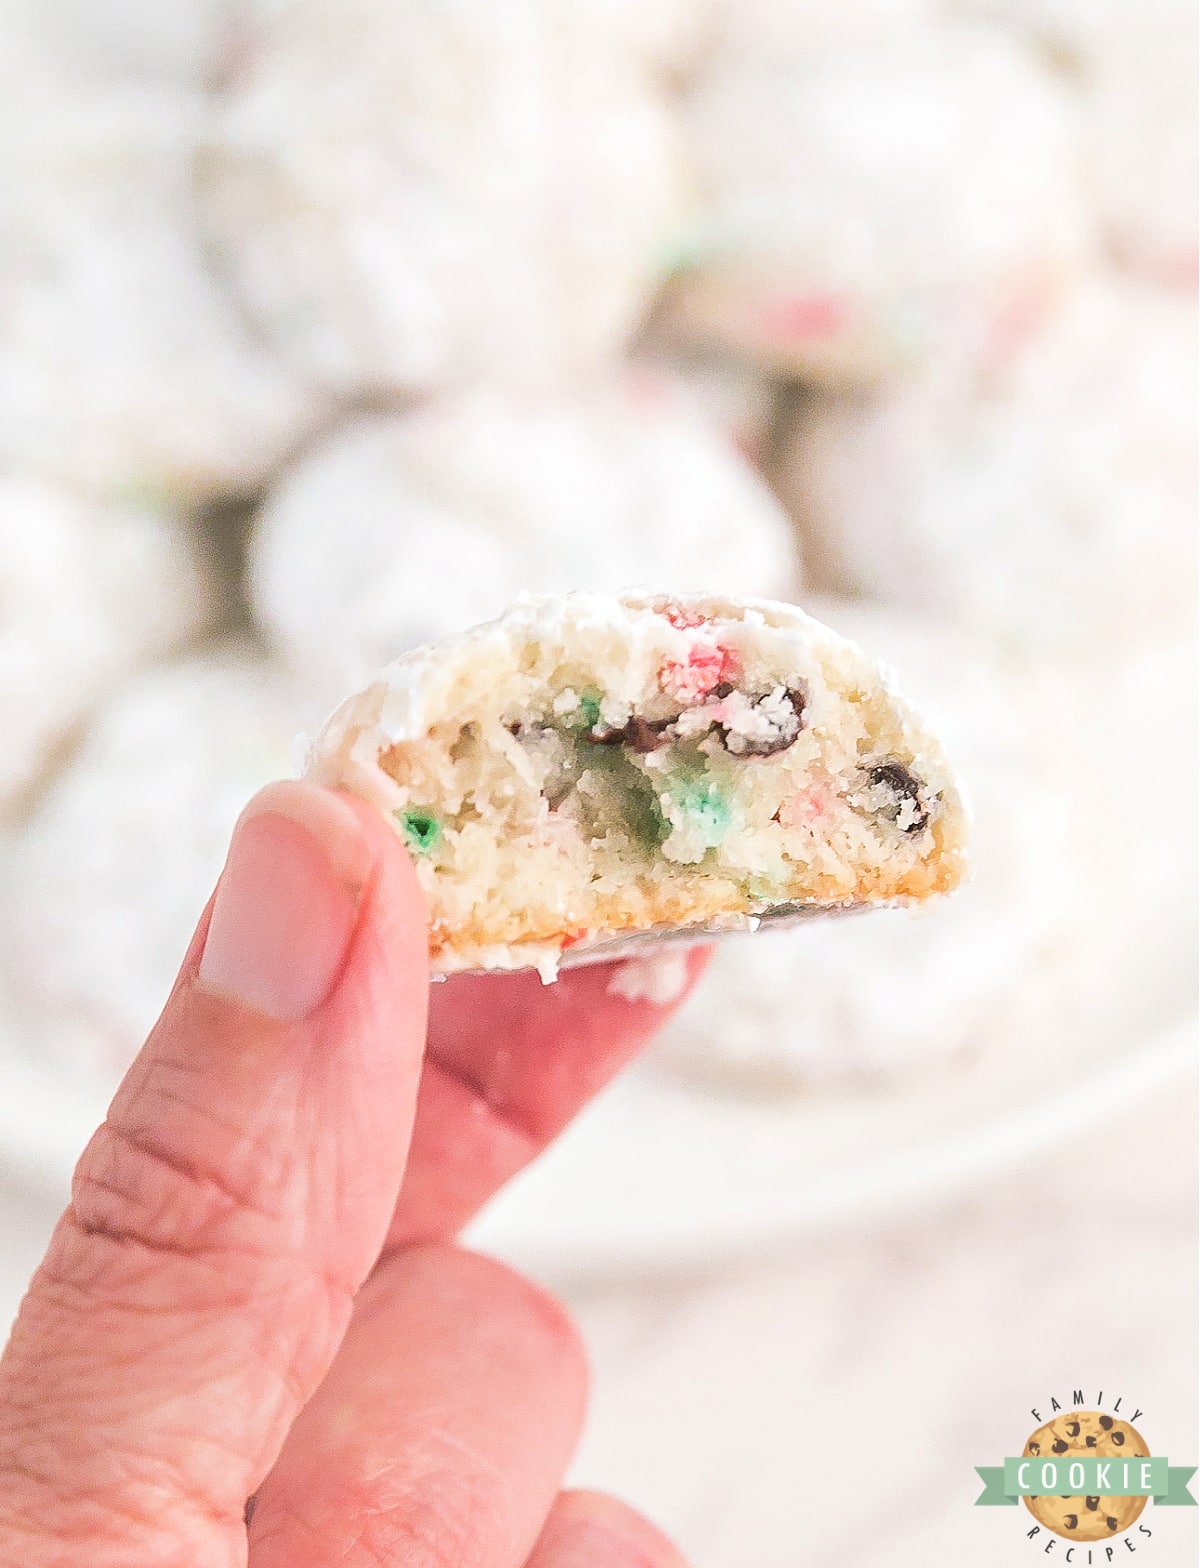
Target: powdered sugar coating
x=124 y=41
x=864 y=203
x=412 y=196
x=114 y=868
x=1133 y=68
x=88 y=592
x=1140 y=106
x=123 y=366
x=1050 y=504
x=406 y=528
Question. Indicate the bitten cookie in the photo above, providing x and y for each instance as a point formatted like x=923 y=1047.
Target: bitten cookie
x=589 y=768
x=1089 y=1434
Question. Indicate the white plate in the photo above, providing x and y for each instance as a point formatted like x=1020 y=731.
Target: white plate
x=656 y=1180
x=660 y=1178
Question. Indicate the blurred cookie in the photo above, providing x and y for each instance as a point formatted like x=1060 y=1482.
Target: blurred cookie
x=866 y=202
x=123 y=366
x=111 y=874
x=411 y=196
x=124 y=40
x=405 y=528
x=87 y=592
x=1052 y=504
x=1140 y=106
x=1134 y=70
x=735 y=398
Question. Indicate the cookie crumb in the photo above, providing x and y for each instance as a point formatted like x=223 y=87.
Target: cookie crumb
x=660 y=979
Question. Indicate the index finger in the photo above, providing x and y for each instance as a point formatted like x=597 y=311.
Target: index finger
x=223 y=1217
x=509 y=1061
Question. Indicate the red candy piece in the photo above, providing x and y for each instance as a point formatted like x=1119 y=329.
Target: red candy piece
x=805 y=316
x=805 y=808
x=570 y=939
x=707 y=666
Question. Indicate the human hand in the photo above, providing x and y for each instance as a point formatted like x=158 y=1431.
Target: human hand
x=253 y=1293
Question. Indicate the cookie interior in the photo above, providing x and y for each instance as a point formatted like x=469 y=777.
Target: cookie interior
x=603 y=767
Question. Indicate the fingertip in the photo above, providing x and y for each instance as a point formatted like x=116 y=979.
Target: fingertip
x=509 y=1307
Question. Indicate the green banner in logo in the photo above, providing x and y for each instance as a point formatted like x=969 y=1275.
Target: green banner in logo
x=1072 y=1475
x=993 y=1494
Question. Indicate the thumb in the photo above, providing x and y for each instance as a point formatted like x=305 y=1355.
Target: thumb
x=236 y=1197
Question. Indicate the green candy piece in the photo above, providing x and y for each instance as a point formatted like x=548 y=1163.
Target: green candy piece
x=589 y=710
x=702 y=801
x=422 y=832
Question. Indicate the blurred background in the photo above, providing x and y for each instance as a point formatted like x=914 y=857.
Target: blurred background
x=327 y=326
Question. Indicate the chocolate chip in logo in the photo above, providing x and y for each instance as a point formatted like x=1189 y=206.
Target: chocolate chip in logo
x=1106 y=1422
x=1093 y=1503
x=895 y=777
x=1059 y=1446
x=1072 y=1428
x=1090 y=1440
x=1035 y=1448
x=1118 y=1439
x=1111 y=1522
x=1071 y=1522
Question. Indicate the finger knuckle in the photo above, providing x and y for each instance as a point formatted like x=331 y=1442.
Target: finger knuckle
x=145 y=1221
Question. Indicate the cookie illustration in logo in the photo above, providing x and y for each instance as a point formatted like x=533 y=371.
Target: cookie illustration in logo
x=1090 y=1435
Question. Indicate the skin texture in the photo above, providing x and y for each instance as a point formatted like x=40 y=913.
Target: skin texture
x=254 y=1293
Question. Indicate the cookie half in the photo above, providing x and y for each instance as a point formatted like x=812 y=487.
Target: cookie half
x=589 y=769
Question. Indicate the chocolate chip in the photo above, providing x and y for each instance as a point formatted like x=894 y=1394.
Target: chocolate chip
x=643 y=736
x=1111 y=1522
x=1090 y=1441
x=724 y=689
x=1071 y=1522
x=770 y=745
x=1092 y=1503
x=1058 y=1446
x=1118 y=1439
x=1035 y=1448
x=1072 y=1428
x=798 y=697
x=639 y=734
x=895 y=777
x=1106 y=1422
